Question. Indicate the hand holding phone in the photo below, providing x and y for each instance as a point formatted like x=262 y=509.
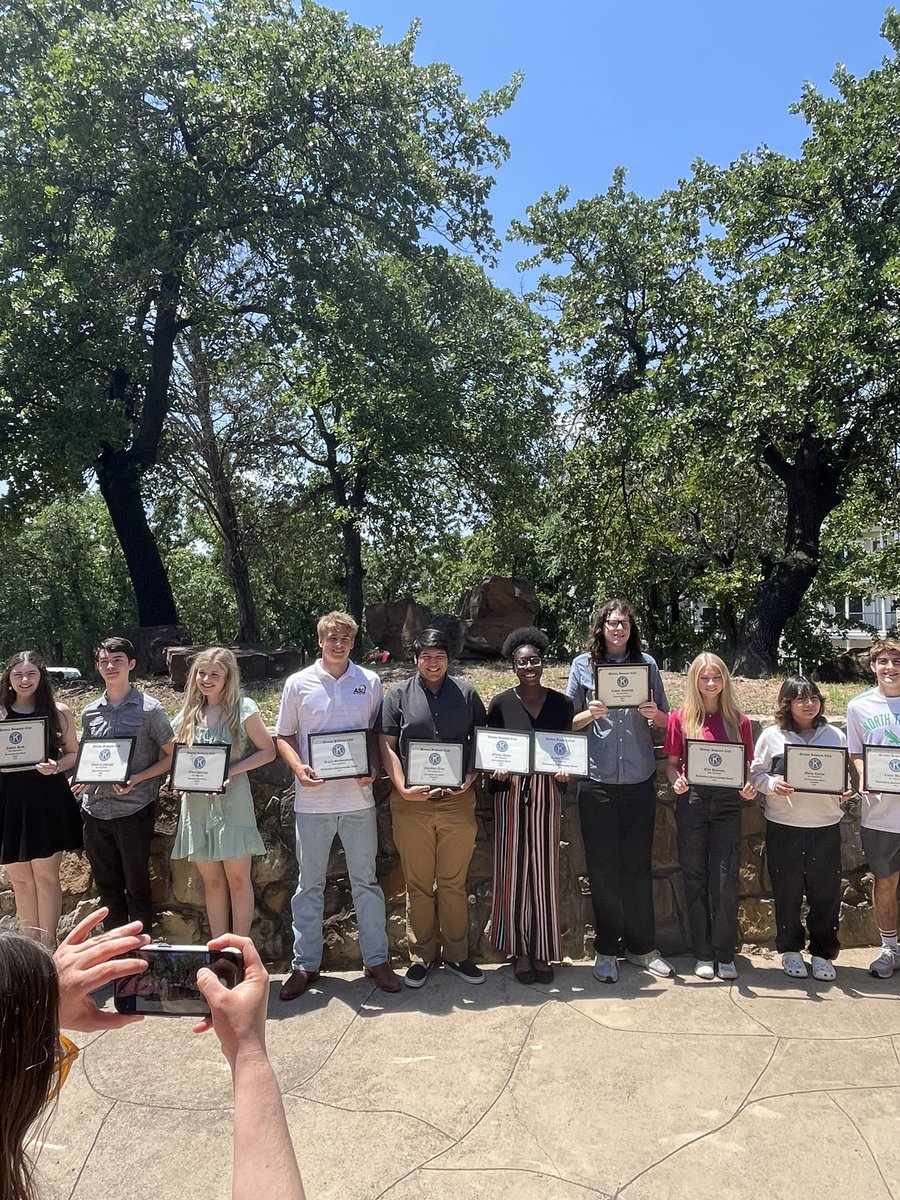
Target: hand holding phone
x=86 y=963
x=238 y=1014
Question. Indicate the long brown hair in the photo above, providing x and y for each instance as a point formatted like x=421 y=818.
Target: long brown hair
x=29 y=1048
x=596 y=644
x=44 y=703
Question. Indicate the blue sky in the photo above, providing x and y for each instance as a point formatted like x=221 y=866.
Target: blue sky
x=647 y=85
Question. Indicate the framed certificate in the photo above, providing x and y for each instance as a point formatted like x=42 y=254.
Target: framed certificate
x=434 y=764
x=503 y=750
x=23 y=743
x=816 y=768
x=342 y=755
x=622 y=685
x=103 y=760
x=555 y=752
x=881 y=769
x=200 y=768
x=715 y=764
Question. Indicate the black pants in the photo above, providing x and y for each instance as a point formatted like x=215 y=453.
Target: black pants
x=709 y=850
x=806 y=860
x=617 y=821
x=119 y=854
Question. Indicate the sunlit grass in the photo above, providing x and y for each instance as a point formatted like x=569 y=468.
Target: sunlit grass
x=755 y=696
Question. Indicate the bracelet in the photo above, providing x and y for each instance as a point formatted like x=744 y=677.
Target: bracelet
x=56 y=767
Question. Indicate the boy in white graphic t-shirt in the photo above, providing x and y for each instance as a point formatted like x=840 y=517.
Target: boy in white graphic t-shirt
x=873 y=718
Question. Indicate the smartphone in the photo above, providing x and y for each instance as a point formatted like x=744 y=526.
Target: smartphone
x=168 y=987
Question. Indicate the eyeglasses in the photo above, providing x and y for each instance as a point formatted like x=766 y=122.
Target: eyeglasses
x=617 y=624
x=534 y=661
x=66 y=1054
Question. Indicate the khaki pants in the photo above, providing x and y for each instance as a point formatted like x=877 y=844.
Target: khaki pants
x=435 y=839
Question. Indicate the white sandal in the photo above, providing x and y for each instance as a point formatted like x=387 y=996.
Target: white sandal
x=823 y=969
x=792 y=964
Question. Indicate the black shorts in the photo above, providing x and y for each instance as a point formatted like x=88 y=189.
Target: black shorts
x=882 y=850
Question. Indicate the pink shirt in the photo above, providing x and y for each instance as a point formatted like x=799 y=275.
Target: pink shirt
x=713 y=731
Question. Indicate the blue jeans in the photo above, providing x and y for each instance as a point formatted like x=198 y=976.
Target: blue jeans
x=359 y=837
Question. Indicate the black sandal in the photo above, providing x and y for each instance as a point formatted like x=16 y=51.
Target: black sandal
x=527 y=974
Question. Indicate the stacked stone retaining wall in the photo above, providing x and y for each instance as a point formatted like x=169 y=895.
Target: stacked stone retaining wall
x=178 y=888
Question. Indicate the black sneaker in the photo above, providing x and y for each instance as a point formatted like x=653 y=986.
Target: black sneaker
x=416 y=974
x=466 y=970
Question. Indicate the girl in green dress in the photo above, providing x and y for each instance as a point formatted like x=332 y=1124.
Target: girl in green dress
x=218 y=832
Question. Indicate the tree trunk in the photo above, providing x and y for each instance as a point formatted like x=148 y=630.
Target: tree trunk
x=225 y=513
x=813 y=487
x=119 y=471
x=120 y=485
x=236 y=567
x=353 y=569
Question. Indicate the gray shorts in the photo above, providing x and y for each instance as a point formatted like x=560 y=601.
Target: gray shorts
x=882 y=850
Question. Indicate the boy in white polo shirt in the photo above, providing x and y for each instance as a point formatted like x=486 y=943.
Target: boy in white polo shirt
x=332 y=696
x=873 y=718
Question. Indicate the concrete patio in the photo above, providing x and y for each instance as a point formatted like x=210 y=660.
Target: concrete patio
x=650 y=1088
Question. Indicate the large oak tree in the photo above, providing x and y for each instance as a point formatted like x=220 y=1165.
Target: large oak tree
x=141 y=140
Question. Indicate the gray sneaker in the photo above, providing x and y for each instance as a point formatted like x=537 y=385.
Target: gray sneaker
x=887 y=962
x=652 y=962
x=605 y=968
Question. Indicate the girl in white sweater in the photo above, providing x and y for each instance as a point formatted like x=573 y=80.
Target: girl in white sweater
x=803 y=835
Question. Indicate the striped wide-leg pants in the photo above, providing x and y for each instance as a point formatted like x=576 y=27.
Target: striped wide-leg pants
x=525 y=913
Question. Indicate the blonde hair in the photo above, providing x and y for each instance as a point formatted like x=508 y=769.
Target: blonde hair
x=694 y=711
x=338 y=622
x=195 y=701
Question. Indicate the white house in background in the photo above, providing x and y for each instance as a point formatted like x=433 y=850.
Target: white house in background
x=882 y=612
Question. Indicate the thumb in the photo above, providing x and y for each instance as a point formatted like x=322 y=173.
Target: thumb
x=208 y=981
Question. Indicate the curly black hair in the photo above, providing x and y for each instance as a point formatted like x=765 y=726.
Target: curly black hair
x=528 y=635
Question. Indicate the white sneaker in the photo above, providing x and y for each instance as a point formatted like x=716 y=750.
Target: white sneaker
x=823 y=969
x=727 y=971
x=886 y=963
x=605 y=968
x=705 y=969
x=792 y=964
x=652 y=962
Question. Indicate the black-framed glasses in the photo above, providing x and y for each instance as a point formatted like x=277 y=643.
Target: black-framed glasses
x=534 y=661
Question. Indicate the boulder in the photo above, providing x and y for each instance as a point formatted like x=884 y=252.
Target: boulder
x=492 y=610
x=850 y=667
x=286 y=661
x=394 y=624
x=253 y=664
x=151 y=643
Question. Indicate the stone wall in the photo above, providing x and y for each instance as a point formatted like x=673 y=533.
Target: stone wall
x=178 y=889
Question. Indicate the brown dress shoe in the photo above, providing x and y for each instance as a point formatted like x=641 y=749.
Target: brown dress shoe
x=384 y=977
x=296 y=984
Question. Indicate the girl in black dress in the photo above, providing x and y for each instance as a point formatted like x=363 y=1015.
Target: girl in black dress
x=39 y=816
x=525 y=915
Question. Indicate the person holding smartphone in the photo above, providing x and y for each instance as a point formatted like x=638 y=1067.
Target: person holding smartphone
x=40 y=994
x=434 y=827
x=617 y=804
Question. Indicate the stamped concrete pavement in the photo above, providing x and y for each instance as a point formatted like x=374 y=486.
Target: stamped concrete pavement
x=764 y=1088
